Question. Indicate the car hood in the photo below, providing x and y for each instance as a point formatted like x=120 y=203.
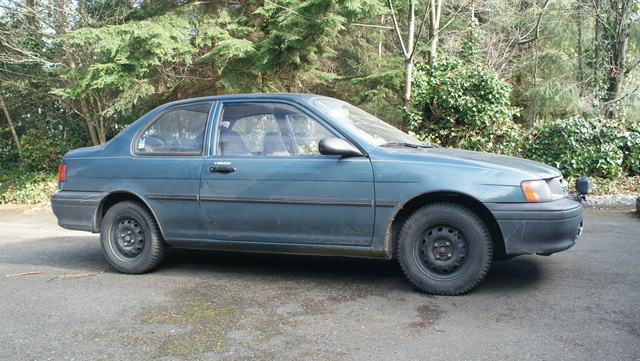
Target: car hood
x=464 y=158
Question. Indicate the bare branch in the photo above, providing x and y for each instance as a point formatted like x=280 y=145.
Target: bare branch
x=397 y=28
x=536 y=28
x=373 y=26
x=289 y=10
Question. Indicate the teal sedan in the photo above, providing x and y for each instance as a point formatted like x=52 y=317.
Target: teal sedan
x=312 y=175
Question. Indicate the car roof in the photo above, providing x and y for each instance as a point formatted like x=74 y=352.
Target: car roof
x=250 y=96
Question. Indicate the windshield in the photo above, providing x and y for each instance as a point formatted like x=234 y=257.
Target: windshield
x=364 y=124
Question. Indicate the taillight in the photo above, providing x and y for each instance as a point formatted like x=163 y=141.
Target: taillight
x=62 y=172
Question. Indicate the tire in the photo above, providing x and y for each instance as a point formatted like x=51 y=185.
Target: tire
x=445 y=249
x=131 y=239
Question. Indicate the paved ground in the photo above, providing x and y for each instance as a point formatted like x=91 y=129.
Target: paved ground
x=61 y=301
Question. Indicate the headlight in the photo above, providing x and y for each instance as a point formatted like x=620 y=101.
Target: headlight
x=536 y=191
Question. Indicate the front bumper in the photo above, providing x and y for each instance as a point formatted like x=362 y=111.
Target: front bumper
x=77 y=210
x=542 y=228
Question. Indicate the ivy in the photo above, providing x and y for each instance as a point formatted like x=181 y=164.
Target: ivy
x=20 y=187
x=578 y=146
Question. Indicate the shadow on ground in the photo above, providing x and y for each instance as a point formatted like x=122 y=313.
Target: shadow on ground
x=84 y=254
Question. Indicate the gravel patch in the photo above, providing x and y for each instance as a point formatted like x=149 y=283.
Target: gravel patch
x=618 y=201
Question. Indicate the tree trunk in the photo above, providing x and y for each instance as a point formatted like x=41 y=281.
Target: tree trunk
x=435 y=9
x=619 y=40
x=408 y=55
x=408 y=48
x=31 y=19
x=13 y=129
x=617 y=68
x=406 y=97
x=86 y=114
x=85 y=110
x=408 y=64
x=581 y=62
x=597 y=43
x=617 y=36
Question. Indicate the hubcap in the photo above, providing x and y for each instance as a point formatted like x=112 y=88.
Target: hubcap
x=443 y=249
x=129 y=237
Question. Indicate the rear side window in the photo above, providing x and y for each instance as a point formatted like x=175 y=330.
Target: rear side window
x=177 y=131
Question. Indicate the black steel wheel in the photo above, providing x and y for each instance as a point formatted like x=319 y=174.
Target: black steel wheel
x=445 y=249
x=131 y=239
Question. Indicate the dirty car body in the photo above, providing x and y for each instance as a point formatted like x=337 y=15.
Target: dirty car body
x=305 y=174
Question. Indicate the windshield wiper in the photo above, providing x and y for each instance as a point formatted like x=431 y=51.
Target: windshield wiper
x=408 y=145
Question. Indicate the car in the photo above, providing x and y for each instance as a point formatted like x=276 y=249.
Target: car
x=310 y=175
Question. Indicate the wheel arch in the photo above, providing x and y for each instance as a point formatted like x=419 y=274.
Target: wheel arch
x=119 y=196
x=465 y=200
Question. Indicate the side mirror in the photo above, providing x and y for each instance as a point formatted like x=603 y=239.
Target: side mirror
x=337 y=146
x=584 y=185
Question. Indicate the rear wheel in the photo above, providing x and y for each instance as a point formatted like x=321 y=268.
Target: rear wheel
x=131 y=239
x=445 y=249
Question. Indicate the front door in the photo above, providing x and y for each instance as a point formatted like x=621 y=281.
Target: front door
x=267 y=182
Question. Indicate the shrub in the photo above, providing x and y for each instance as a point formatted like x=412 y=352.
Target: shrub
x=463 y=105
x=8 y=153
x=578 y=146
x=630 y=145
x=26 y=187
x=41 y=152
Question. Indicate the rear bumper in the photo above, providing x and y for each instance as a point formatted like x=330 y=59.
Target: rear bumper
x=77 y=210
x=542 y=228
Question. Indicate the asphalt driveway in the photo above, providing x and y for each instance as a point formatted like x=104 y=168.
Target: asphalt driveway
x=61 y=301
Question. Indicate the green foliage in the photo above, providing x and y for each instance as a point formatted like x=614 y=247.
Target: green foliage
x=8 y=153
x=297 y=35
x=546 y=89
x=463 y=105
x=127 y=57
x=470 y=47
x=26 y=187
x=122 y=58
x=630 y=145
x=578 y=146
x=378 y=91
x=226 y=38
x=40 y=152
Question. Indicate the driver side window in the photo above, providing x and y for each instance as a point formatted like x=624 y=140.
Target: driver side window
x=268 y=129
x=307 y=132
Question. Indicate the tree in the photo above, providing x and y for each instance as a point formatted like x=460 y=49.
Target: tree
x=561 y=57
x=615 y=21
x=10 y=123
x=128 y=65
x=409 y=46
x=431 y=24
x=107 y=62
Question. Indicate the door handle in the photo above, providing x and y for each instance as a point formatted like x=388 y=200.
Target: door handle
x=222 y=169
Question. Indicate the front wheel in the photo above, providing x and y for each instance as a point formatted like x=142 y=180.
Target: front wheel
x=131 y=239
x=445 y=249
